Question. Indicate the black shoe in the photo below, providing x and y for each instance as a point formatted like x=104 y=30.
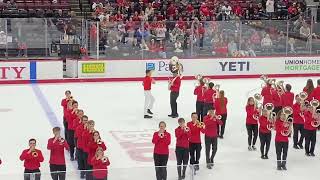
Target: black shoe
x=249 y=148
x=300 y=146
x=183 y=176
x=283 y=165
x=147 y=117
x=312 y=154
x=296 y=147
x=308 y=154
x=170 y=115
x=209 y=166
x=254 y=148
x=72 y=159
x=149 y=111
x=279 y=165
x=221 y=137
x=196 y=167
x=174 y=116
x=266 y=157
x=82 y=175
x=263 y=157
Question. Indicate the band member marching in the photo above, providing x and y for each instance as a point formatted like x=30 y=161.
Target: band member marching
x=100 y=164
x=287 y=97
x=195 y=127
x=220 y=104
x=183 y=134
x=298 y=123
x=174 y=87
x=316 y=92
x=281 y=141
x=199 y=92
x=56 y=145
x=32 y=158
x=310 y=130
x=148 y=98
x=276 y=99
x=64 y=104
x=264 y=134
x=161 y=140
x=211 y=122
x=82 y=156
x=252 y=123
x=309 y=89
x=94 y=144
x=266 y=93
x=72 y=116
x=209 y=96
x=87 y=137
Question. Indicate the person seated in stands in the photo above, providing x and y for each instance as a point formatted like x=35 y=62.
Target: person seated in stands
x=59 y=14
x=305 y=33
x=270 y=8
x=255 y=39
x=11 y=5
x=266 y=43
x=232 y=48
x=178 y=47
x=282 y=9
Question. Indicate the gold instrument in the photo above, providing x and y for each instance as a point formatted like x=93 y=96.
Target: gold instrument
x=315 y=113
x=186 y=129
x=256 y=116
x=217 y=87
x=99 y=141
x=104 y=159
x=34 y=153
x=198 y=77
x=258 y=98
x=280 y=88
x=199 y=124
x=269 y=107
x=161 y=135
x=206 y=81
x=61 y=140
x=303 y=96
x=287 y=111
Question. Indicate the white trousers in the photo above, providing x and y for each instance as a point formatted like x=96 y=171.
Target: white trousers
x=148 y=101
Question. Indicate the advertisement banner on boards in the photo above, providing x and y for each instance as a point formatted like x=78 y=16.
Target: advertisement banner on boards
x=14 y=70
x=92 y=68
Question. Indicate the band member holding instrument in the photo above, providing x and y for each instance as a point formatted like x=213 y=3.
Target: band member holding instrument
x=81 y=155
x=209 y=96
x=100 y=165
x=281 y=141
x=199 y=92
x=221 y=109
x=70 y=119
x=64 y=104
x=77 y=122
x=161 y=140
x=316 y=92
x=148 y=98
x=276 y=99
x=195 y=140
x=298 y=123
x=87 y=136
x=287 y=97
x=32 y=158
x=264 y=134
x=211 y=122
x=56 y=145
x=174 y=87
x=183 y=134
x=252 y=123
x=266 y=93
x=309 y=89
x=310 y=132
x=94 y=144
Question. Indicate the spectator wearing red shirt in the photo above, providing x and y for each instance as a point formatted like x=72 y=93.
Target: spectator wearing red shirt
x=201 y=32
x=309 y=89
x=32 y=158
x=199 y=92
x=209 y=96
x=211 y=123
x=189 y=8
x=171 y=9
x=204 y=10
x=148 y=98
x=183 y=134
x=174 y=87
x=161 y=140
x=100 y=164
x=64 y=104
x=298 y=123
x=220 y=104
x=264 y=134
x=56 y=145
x=281 y=141
x=310 y=132
x=252 y=123
x=237 y=10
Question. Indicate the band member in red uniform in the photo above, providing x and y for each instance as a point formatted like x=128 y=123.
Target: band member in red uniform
x=81 y=155
x=209 y=96
x=100 y=165
x=211 y=122
x=309 y=89
x=93 y=145
x=316 y=92
x=266 y=93
x=281 y=141
x=195 y=140
x=298 y=123
x=264 y=134
x=183 y=134
x=71 y=118
x=287 y=97
x=174 y=86
x=199 y=92
x=310 y=132
x=276 y=99
x=87 y=137
x=148 y=98
x=221 y=109
x=161 y=140
x=64 y=104
x=252 y=123
x=32 y=158
x=56 y=145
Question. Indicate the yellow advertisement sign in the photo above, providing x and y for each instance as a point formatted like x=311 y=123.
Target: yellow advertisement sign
x=93 y=67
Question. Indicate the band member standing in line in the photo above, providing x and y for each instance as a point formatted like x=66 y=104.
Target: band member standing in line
x=71 y=118
x=93 y=145
x=87 y=136
x=174 y=87
x=316 y=92
x=64 y=104
x=195 y=140
x=199 y=92
x=287 y=97
x=148 y=98
x=252 y=123
x=161 y=140
x=310 y=132
x=309 y=89
x=281 y=141
x=221 y=109
x=264 y=134
x=100 y=165
x=266 y=93
x=211 y=123
x=81 y=155
x=32 y=158
x=183 y=134
x=276 y=99
x=56 y=145
x=298 y=123
x=209 y=96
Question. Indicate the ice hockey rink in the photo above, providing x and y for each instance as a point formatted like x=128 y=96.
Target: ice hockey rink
x=30 y=111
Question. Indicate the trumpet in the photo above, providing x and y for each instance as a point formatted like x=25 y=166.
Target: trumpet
x=34 y=153
x=218 y=117
x=161 y=135
x=99 y=141
x=61 y=140
x=199 y=124
x=104 y=159
x=186 y=129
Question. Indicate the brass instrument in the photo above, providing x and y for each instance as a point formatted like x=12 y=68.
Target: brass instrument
x=161 y=135
x=61 y=140
x=104 y=159
x=256 y=116
x=99 y=141
x=218 y=117
x=303 y=96
x=217 y=87
x=287 y=111
x=257 y=100
x=269 y=107
x=280 y=88
x=199 y=124
x=206 y=81
x=315 y=113
x=186 y=129
x=198 y=77
x=34 y=153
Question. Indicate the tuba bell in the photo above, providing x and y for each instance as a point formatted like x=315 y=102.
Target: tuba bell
x=258 y=98
x=198 y=77
x=303 y=96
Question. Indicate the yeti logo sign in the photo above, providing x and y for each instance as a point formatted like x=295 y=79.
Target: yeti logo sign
x=235 y=66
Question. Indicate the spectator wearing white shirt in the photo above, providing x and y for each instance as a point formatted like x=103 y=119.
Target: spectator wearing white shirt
x=270 y=8
x=305 y=33
x=226 y=11
x=266 y=43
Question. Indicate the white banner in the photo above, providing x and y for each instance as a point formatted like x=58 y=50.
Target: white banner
x=14 y=70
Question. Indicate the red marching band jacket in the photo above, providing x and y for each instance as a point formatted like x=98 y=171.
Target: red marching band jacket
x=182 y=137
x=308 y=120
x=287 y=99
x=251 y=111
x=316 y=93
x=92 y=147
x=100 y=168
x=297 y=114
x=276 y=98
x=64 y=104
x=208 y=96
x=220 y=110
x=263 y=125
x=199 y=92
x=78 y=134
x=280 y=127
x=31 y=162
x=211 y=126
x=266 y=93
x=195 y=133
x=176 y=85
x=161 y=145
x=57 y=151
